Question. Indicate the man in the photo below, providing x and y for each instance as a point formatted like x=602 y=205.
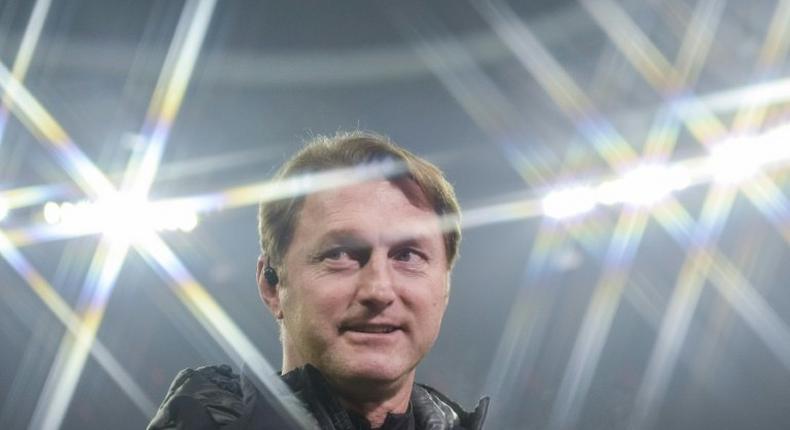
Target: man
x=358 y=278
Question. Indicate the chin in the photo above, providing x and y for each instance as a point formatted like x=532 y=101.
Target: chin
x=378 y=368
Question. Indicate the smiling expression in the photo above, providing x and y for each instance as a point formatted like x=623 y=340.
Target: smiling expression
x=365 y=282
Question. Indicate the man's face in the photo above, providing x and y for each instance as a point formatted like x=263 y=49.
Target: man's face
x=366 y=281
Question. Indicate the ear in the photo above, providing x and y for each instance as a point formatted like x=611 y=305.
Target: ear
x=269 y=293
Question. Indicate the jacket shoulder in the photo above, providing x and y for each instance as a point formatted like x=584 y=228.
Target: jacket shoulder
x=205 y=397
x=433 y=409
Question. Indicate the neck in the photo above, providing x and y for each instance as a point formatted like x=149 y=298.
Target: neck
x=374 y=400
x=370 y=399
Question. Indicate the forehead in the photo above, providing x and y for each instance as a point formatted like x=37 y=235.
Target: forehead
x=386 y=208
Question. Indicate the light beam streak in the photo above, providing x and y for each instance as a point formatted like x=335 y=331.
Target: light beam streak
x=24 y=55
x=769 y=199
x=55 y=303
x=726 y=277
x=33 y=195
x=654 y=67
x=687 y=292
x=762 y=94
x=632 y=42
x=666 y=351
x=558 y=84
x=696 y=43
x=774 y=48
x=540 y=63
x=681 y=307
x=754 y=310
x=216 y=321
x=73 y=351
x=626 y=238
x=169 y=94
x=477 y=94
x=36 y=118
x=301 y=185
x=598 y=319
x=467 y=83
x=264 y=191
x=108 y=260
x=518 y=347
x=92 y=180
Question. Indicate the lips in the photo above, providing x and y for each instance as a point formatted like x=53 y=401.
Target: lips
x=370 y=328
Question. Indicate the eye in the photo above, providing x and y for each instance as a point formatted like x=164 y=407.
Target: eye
x=336 y=254
x=408 y=255
x=341 y=257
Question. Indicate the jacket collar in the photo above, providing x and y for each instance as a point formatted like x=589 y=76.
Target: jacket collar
x=432 y=410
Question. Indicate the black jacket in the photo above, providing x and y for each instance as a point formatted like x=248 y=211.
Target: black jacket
x=213 y=397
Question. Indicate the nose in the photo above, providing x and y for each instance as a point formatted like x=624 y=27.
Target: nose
x=376 y=290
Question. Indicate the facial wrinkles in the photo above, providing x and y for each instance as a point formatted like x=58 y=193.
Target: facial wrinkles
x=379 y=222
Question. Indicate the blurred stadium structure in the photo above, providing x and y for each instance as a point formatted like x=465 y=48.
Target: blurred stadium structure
x=623 y=166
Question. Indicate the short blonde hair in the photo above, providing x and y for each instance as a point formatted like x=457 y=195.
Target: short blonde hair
x=277 y=219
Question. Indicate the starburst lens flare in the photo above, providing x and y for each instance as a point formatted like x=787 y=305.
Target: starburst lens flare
x=4 y=209
x=569 y=202
x=738 y=159
x=120 y=217
x=51 y=213
x=735 y=161
x=643 y=186
x=776 y=145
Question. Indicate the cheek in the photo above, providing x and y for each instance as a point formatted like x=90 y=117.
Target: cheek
x=434 y=306
x=311 y=309
x=297 y=308
x=441 y=294
x=438 y=310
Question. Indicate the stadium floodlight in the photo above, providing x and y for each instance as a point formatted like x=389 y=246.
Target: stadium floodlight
x=188 y=221
x=732 y=161
x=775 y=145
x=171 y=216
x=569 y=202
x=736 y=160
x=4 y=209
x=120 y=217
x=643 y=186
x=51 y=213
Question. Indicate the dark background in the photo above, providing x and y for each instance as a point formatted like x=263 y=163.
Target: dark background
x=439 y=80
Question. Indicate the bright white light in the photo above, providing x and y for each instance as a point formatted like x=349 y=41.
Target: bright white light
x=188 y=222
x=775 y=144
x=610 y=192
x=123 y=218
x=4 y=209
x=644 y=185
x=569 y=202
x=730 y=162
x=67 y=212
x=51 y=213
x=169 y=216
x=736 y=160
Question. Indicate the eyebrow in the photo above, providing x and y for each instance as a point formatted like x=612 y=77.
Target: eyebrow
x=345 y=237
x=352 y=238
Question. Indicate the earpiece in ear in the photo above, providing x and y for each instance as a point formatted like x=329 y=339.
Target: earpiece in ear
x=271 y=275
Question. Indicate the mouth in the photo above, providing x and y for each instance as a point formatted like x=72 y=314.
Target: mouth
x=370 y=328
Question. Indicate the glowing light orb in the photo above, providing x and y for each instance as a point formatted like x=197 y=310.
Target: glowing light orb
x=569 y=202
x=51 y=213
x=644 y=186
x=121 y=217
x=4 y=209
x=188 y=222
x=735 y=161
